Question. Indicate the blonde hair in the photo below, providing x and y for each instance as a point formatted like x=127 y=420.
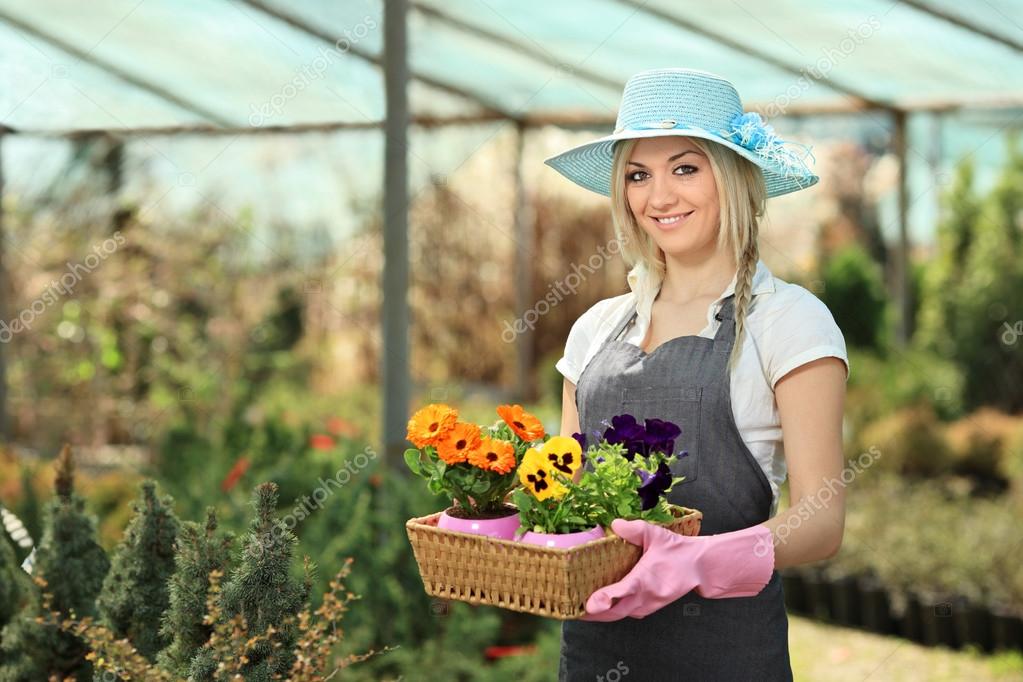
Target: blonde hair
x=742 y=196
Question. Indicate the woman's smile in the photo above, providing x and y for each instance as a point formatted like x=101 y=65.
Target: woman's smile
x=667 y=222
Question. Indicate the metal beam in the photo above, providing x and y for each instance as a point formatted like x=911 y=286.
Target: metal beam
x=964 y=24
x=115 y=70
x=292 y=129
x=863 y=100
x=489 y=107
x=581 y=120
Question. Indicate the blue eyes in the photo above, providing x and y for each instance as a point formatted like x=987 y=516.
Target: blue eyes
x=686 y=168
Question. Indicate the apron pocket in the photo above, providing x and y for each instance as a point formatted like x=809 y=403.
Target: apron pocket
x=679 y=405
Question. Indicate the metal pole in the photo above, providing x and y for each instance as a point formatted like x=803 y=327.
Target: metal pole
x=394 y=370
x=5 y=434
x=524 y=272
x=901 y=261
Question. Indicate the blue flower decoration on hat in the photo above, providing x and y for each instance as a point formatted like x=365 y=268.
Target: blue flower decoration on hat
x=751 y=132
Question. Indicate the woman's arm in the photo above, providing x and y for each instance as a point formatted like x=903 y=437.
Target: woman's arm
x=570 y=417
x=811 y=400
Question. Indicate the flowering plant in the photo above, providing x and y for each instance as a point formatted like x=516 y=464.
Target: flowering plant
x=474 y=466
x=629 y=478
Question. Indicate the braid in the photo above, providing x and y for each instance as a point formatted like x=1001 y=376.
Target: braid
x=744 y=291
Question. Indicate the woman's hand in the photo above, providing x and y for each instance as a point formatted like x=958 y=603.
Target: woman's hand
x=736 y=564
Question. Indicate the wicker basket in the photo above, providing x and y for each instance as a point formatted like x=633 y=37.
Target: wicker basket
x=522 y=577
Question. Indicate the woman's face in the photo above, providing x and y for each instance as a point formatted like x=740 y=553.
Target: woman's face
x=670 y=188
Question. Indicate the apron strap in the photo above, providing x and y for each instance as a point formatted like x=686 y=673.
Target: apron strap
x=630 y=315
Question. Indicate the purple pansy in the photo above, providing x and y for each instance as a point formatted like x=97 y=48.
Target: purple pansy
x=653 y=485
x=657 y=435
x=581 y=439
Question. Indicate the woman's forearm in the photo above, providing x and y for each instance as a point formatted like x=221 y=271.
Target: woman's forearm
x=809 y=530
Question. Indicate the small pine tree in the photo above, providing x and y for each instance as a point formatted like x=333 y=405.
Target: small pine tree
x=199 y=551
x=15 y=585
x=134 y=595
x=263 y=592
x=73 y=565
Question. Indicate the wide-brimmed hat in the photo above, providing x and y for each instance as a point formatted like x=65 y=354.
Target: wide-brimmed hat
x=688 y=103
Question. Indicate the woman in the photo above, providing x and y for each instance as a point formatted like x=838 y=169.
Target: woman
x=709 y=339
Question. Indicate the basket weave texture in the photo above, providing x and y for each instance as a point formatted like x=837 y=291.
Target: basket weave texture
x=544 y=581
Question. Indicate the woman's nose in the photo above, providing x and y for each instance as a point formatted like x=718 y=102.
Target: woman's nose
x=662 y=194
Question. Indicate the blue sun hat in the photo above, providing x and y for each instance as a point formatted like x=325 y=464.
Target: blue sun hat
x=689 y=103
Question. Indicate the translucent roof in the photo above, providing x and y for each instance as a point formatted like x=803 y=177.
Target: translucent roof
x=128 y=64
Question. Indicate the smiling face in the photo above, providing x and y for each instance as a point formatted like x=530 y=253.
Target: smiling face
x=670 y=188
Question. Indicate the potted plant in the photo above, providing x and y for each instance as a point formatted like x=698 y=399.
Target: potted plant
x=475 y=467
x=629 y=478
x=550 y=514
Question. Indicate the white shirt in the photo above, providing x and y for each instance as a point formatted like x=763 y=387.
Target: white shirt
x=786 y=327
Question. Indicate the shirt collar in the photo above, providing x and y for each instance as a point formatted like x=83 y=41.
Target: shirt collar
x=645 y=284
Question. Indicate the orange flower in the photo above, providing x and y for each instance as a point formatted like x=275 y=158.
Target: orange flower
x=493 y=454
x=526 y=426
x=241 y=465
x=321 y=441
x=456 y=444
x=429 y=424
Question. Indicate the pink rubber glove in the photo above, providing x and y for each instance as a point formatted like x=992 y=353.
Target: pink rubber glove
x=736 y=564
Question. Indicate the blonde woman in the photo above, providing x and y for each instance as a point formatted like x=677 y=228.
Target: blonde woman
x=752 y=368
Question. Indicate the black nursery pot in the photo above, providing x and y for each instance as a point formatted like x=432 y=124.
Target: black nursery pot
x=818 y=595
x=937 y=626
x=845 y=601
x=875 y=606
x=1006 y=629
x=972 y=624
x=909 y=625
x=794 y=590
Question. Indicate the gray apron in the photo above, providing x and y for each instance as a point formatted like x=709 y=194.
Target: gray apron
x=694 y=639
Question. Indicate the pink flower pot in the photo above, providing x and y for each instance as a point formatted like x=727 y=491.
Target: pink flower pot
x=562 y=540
x=502 y=528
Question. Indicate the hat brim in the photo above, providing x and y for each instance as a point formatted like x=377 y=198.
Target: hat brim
x=589 y=165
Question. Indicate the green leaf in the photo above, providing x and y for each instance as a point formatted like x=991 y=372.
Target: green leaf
x=481 y=486
x=412 y=460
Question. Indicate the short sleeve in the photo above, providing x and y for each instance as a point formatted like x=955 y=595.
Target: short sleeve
x=585 y=331
x=799 y=329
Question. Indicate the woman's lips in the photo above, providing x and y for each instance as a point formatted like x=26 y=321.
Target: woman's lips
x=673 y=221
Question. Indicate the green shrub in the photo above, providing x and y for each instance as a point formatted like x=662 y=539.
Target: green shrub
x=971 y=305
x=134 y=594
x=881 y=384
x=854 y=293
x=933 y=539
x=979 y=443
x=1012 y=463
x=911 y=442
x=73 y=565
